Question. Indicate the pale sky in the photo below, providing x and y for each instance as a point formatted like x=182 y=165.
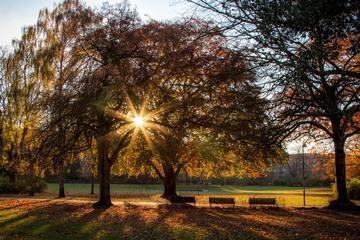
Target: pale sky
x=14 y=14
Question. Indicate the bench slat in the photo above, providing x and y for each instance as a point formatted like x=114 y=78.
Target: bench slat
x=263 y=201
x=213 y=200
x=222 y=200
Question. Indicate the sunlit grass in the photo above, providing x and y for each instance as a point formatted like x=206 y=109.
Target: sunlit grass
x=192 y=189
x=281 y=200
x=285 y=196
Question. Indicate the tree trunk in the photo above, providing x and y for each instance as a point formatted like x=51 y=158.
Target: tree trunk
x=12 y=175
x=61 y=178
x=32 y=178
x=169 y=182
x=11 y=172
x=340 y=168
x=92 y=182
x=104 y=167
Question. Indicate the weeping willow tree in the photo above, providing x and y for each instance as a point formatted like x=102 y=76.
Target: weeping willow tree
x=21 y=111
x=37 y=84
x=58 y=29
x=61 y=65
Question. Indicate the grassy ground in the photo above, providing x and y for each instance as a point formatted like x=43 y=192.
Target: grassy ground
x=193 y=189
x=286 y=196
x=24 y=219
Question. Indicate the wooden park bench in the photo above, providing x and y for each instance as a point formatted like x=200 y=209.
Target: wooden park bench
x=218 y=200
x=262 y=201
x=183 y=200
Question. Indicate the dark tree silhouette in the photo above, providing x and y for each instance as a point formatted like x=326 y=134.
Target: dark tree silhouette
x=307 y=54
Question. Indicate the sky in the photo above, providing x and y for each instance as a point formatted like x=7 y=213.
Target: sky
x=14 y=14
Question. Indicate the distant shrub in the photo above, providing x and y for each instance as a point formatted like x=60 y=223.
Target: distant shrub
x=3 y=179
x=6 y=186
x=291 y=182
x=311 y=181
x=40 y=185
x=21 y=185
x=334 y=189
x=353 y=188
x=317 y=181
x=280 y=182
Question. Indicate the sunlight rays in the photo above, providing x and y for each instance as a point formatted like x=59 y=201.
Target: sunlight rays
x=139 y=121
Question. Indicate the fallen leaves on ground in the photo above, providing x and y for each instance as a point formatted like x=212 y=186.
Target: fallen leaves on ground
x=60 y=220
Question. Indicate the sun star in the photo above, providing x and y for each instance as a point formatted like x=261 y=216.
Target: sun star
x=139 y=121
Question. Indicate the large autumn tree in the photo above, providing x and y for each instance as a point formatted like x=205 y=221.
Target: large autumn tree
x=197 y=85
x=115 y=53
x=307 y=52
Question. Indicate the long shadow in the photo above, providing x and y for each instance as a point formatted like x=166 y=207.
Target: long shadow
x=24 y=204
x=61 y=220
x=273 y=223
x=81 y=221
x=287 y=223
x=49 y=221
x=226 y=223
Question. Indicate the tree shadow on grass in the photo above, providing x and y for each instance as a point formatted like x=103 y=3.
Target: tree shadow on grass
x=278 y=224
x=81 y=221
x=20 y=203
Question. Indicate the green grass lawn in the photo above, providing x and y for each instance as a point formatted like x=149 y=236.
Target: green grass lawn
x=286 y=196
x=193 y=189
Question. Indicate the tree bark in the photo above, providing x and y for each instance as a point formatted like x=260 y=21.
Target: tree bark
x=92 y=182
x=61 y=178
x=340 y=167
x=32 y=178
x=104 y=167
x=169 y=182
x=11 y=172
x=12 y=175
x=61 y=159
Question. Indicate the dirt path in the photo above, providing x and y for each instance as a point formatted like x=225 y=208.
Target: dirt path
x=72 y=200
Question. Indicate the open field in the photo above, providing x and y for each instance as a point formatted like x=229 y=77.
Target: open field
x=24 y=219
x=192 y=189
x=286 y=196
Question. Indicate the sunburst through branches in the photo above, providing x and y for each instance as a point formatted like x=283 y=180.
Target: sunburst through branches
x=144 y=122
x=139 y=121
